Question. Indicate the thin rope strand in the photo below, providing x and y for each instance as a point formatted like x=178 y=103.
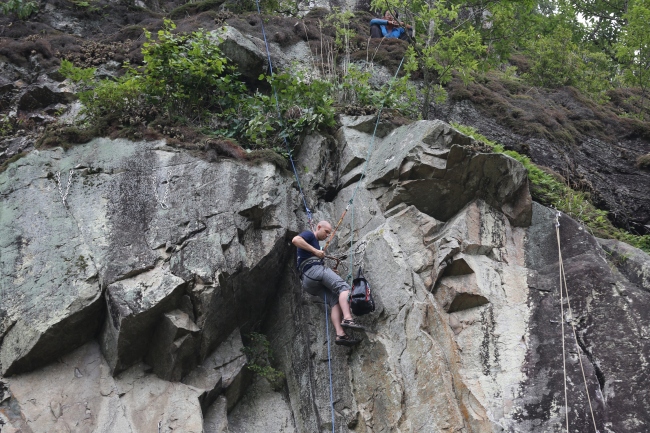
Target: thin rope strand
x=329 y=362
x=277 y=106
x=575 y=336
x=566 y=401
x=365 y=168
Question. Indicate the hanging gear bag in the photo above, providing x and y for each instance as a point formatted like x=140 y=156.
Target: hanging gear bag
x=360 y=298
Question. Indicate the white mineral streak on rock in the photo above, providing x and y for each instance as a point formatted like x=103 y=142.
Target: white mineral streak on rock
x=492 y=343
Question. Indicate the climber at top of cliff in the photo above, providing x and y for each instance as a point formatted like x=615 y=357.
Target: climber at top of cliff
x=389 y=27
x=318 y=280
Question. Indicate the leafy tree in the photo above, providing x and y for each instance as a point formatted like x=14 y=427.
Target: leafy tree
x=187 y=73
x=447 y=44
x=604 y=20
x=505 y=26
x=558 y=61
x=633 y=48
x=23 y=9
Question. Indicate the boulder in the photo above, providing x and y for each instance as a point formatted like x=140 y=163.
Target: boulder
x=44 y=92
x=174 y=347
x=429 y=164
x=79 y=394
x=36 y=97
x=249 y=57
x=135 y=306
x=222 y=371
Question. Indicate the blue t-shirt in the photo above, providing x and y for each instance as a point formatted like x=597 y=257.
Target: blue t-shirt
x=395 y=33
x=310 y=238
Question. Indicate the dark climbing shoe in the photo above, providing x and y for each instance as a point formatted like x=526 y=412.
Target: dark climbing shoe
x=351 y=324
x=346 y=340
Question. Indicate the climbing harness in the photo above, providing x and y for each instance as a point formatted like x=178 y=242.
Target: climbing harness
x=162 y=202
x=575 y=336
x=63 y=195
x=277 y=106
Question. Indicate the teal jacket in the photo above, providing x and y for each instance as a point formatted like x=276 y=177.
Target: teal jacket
x=395 y=33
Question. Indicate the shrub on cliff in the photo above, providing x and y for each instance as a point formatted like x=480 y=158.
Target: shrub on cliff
x=551 y=192
x=185 y=78
x=22 y=9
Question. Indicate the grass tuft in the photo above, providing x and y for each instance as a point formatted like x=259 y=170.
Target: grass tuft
x=547 y=188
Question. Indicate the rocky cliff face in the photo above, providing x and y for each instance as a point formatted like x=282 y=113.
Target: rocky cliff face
x=123 y=309
x=132 y=273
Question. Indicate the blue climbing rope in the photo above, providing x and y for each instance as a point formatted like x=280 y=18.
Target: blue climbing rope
x=363 y=173
x=277 y=106
x=307 y=210
x=329 y=361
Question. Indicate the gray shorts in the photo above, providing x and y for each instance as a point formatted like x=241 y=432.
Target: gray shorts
x=320 y=281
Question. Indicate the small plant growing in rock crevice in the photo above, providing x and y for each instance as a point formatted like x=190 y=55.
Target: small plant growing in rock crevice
x=260 y=356
x=643 y=162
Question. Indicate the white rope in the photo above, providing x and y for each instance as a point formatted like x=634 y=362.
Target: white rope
x=575 y=336
x=566 y=401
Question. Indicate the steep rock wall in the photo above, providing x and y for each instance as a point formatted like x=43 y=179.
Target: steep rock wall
x=124 y=310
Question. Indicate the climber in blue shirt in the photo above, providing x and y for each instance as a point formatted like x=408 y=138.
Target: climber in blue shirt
x=388 y=27
x=321 y=281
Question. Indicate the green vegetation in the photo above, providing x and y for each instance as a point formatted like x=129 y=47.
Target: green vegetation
x=550 y=191
x=186 y=80
x=21 y=8
x=633 y=49
x=596 y=47
x=87 y=5
x=260 y=356
x=443 y=48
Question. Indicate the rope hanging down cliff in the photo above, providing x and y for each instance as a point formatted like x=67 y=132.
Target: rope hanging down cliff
x=277 y=106
x=564 y=289
x=309 y=215
x=358 y=183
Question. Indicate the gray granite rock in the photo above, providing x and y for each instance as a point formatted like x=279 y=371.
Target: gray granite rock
x=221 y=372
x=142 y=221
x=173 y=350
x=78 y=394
x=630 y=261
x=178 y=257
x=261 y=410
